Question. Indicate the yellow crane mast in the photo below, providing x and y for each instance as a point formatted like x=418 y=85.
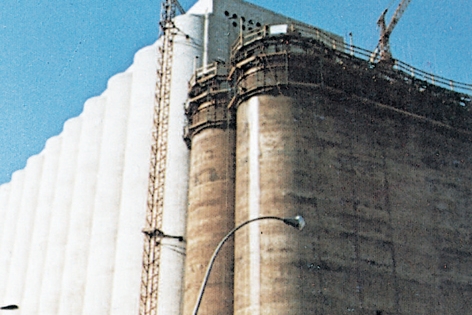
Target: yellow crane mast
x=155 y=203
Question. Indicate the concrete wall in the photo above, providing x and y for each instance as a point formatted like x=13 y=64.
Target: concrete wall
x=210 y=135
x=228 y=18
x=210 y=217
x=187 y=49
x=383 y=183
x=386 y=198
x=72 y=219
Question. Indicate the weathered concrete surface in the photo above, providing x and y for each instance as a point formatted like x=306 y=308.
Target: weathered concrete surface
x=387 y=198
x=210 y=217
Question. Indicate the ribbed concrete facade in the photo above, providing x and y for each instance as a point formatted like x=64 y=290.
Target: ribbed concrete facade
x=72 y=219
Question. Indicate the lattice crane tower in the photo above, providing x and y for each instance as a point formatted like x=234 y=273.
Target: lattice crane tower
x=155 y=203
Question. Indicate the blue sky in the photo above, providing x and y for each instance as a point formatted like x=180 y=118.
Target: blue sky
x=54 y=55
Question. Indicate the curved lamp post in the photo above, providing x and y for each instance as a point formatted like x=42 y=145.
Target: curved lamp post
x=9 y=307
x=297 y=222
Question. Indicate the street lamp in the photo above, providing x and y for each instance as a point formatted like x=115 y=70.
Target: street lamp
x=9 y=307
x=297 y=222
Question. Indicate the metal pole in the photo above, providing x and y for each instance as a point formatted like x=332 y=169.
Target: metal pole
x=297 y=222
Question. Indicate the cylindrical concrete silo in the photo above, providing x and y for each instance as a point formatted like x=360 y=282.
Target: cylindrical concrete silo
x=99 y=277
x=4 y=196
x=56 y=247
x=11 y=222
x=23 y=244
x=81 y=209
x=210 y=134
x=272 y=172
x=12 y=229
x=275 y=175
x=8 y=234
x=37 y=257
x=128 y=257
x=187 y=46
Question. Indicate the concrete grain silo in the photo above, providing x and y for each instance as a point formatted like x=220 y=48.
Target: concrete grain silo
x=42 y=221
x=59 y=224
x=361 y=153
x=16 y=275
x=210 y=134
x=266 y=116
x=73 y=282
x=78 y=210
x=85 y=227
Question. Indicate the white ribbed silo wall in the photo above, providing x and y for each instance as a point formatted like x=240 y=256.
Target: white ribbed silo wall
x=55 y=269
x=46 y=185
x=100 y=266
x=129 y=241
x=9 y=233
x=22 y=242
x=55 y=257
x=82 y=207
x=4 y=196
x=187 y=47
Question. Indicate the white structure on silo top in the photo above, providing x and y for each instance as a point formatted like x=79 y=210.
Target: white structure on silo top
x=71 y=222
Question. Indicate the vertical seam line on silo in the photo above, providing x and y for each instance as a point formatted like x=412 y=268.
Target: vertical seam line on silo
x=254 y=203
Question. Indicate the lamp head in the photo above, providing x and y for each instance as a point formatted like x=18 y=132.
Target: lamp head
x=297 y=222
x=9 y=307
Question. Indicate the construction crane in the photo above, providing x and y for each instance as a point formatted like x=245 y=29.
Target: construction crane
x=155 y=203
x=383 y=47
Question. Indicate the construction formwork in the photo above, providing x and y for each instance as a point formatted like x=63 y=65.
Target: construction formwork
x=377 y=161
